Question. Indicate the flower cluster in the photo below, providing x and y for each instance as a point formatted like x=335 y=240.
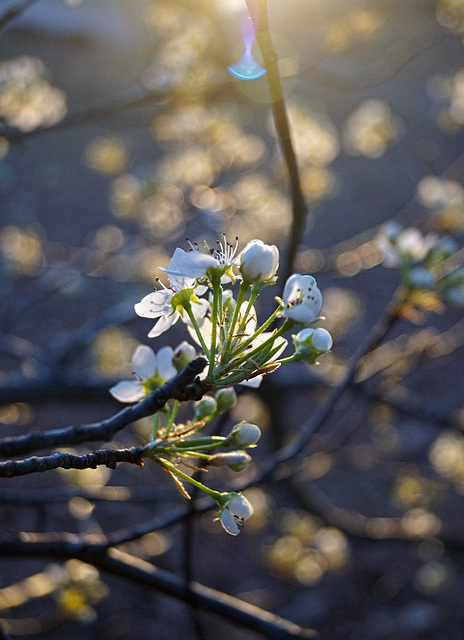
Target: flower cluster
x=429 y=265
x=239 y=350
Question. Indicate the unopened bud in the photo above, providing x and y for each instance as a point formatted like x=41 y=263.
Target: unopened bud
x=183 y=354
x=312 y=343
x=204 y=408
x=244 y=435
x=225 y=398
x=236 y=460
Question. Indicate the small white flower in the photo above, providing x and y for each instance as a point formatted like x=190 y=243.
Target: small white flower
x=183 y=354
x=258 y=261
x=302 y=299
x=408 y=244
x=158 y=304
x=151 y=369
x=233 y=515
x=195 y=264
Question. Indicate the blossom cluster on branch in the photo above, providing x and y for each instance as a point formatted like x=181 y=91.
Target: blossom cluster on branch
x=238 y=348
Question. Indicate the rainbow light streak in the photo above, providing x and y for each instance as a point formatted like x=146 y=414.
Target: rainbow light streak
x=247 y=68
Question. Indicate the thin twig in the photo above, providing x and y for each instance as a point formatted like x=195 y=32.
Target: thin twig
x=13 y=12
x=143 y=573
x=259 y=13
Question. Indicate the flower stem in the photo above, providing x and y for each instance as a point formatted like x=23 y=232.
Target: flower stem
x=188 y=308
x=173 y=469
x=288 y=324
x=155 y=425
x=217 y=292
x=172 y=417
x=241 y=295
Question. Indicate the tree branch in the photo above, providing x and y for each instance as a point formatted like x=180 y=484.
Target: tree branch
x=13 y=12
x=143 y=573
x=65 y=460
x=184 y=386
x=259 y=13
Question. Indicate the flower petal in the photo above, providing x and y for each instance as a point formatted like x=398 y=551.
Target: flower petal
x=144 y=362
x=155 y=304
x=166 y=370
x=229 y=523
x=128 y=391
x=164 y=324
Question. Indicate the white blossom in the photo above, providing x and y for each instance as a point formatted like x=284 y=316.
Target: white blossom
x=195 y=264
x=258 y=261
x=302 y=299
x=236 y=511
x=158 y=304
x=151 y=369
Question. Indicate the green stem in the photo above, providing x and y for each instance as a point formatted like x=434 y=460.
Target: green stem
x=167 y=465
x=253 y=295
x=288 y=324
x=262 y=328
x=217 y=291
x=241 y=294
x=188 y=308
x=172 y=417
x=155 y=425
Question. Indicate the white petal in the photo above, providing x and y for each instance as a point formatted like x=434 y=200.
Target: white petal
x=128 y=391
x=240 y=507
x=206 y=329
x=165 y=367
x=164 y=324
x=144 y=362
x=194 y=264
x=155 y=304
x=252 y=319
x=229 y=523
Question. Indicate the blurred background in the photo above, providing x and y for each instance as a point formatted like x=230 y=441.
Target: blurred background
x=122 y=134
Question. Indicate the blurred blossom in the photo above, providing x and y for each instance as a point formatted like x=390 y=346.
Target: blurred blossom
x=446 y=200
x=106 y=155
x=370 y=129
x=27 y=100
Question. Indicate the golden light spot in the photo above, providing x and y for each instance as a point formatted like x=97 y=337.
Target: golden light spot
x=364 y=23
x=333 y=545
x=4 y=147
x=317 y=465
x=109 y=238
x=308 y=570
x=348 y=263
x=252 y=409
x=433 y=577
x=107 y=155
x=17 y=413
x=341 y=308
x=80 y=508
x=370 y=129
x=309 y=261
x=113 y=349
x=22 y=248
x=380 y=528
x=27 y=100
x=447 y=456
x=419 y=523
x=126 y=196
x=317 y=182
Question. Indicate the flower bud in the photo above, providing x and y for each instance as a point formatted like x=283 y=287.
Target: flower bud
x=312 y=343
x=183 y=354
x=236 y=460
x=225 y=398
x=244 y=435
x=258 y=261
x=204 y=408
